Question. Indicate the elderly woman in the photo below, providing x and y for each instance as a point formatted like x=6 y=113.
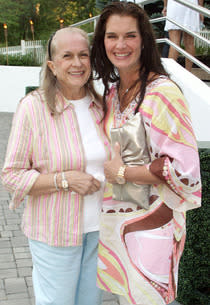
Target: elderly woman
x=55 y=157
x=140 y=249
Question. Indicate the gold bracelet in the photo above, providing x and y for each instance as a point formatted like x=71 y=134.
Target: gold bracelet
x=55 y=182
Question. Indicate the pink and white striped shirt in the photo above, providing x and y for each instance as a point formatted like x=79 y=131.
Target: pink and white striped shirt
x=42 y=143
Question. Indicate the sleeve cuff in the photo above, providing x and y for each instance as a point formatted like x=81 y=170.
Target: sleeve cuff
x=21 y=193
x=158 y=168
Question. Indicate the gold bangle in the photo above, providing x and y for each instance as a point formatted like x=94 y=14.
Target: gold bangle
x=55 y=182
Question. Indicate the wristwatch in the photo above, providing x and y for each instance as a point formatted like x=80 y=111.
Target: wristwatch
x=64 y=182
x=120 y=178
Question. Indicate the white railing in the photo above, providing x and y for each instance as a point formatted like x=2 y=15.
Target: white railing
x=198 y=36
x=35 y=48
x=199 y=43
x=202 y=39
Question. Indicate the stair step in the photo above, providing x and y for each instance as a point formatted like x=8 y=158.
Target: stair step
x=203 y=75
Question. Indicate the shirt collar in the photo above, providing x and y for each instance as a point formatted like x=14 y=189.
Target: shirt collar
x=62 y=102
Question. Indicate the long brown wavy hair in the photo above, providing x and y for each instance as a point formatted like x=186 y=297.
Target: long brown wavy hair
x=149 y=60
x=48 y=81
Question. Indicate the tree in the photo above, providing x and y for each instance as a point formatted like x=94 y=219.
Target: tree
x=16 y=15
x=45 y=15
x=100 y=4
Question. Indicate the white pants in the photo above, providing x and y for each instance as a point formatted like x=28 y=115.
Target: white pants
x=66 y=275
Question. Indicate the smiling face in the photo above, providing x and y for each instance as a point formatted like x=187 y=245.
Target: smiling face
x=122 y=42
x=70 y=63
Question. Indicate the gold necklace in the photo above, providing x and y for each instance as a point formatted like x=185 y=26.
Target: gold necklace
x=121 y=97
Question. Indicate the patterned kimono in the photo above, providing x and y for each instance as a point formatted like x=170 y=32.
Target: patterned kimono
x=143 y=265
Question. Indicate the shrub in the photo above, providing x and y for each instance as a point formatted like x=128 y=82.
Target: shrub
x=30 y=88
x=19 y=60
x=194 y=280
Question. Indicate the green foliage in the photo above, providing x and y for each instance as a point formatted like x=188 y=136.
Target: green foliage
x=89 y=27
x=19 y=60
x=207 y=19
x=158 y=27
x=153 y=8
x=203 y=51
x=194 y=280
x=45 y=17
x=30 y=88
x=16 y=14
x=100 y=4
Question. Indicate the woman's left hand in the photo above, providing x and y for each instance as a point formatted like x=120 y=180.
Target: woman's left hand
x=111 y=167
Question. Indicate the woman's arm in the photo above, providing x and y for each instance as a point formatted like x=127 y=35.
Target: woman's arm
x=173 y=147
x=200 y=2
x=19 y=175
x=164 y=10
x=79 y=182
x=137 y=174
x=172 y=144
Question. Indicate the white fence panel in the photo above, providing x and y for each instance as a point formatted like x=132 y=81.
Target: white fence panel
x=35 y=48
x=11 y=50
x=200 y=43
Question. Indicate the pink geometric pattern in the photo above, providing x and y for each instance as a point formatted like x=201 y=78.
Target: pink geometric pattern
x=143 y=265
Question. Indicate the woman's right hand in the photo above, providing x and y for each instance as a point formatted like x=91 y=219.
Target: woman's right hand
x=80 y=182
x=164 y=11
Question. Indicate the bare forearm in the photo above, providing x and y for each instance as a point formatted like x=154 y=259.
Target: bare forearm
x=78 y=181
x=164 y=11
x=136 y=174
x=141 y=175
